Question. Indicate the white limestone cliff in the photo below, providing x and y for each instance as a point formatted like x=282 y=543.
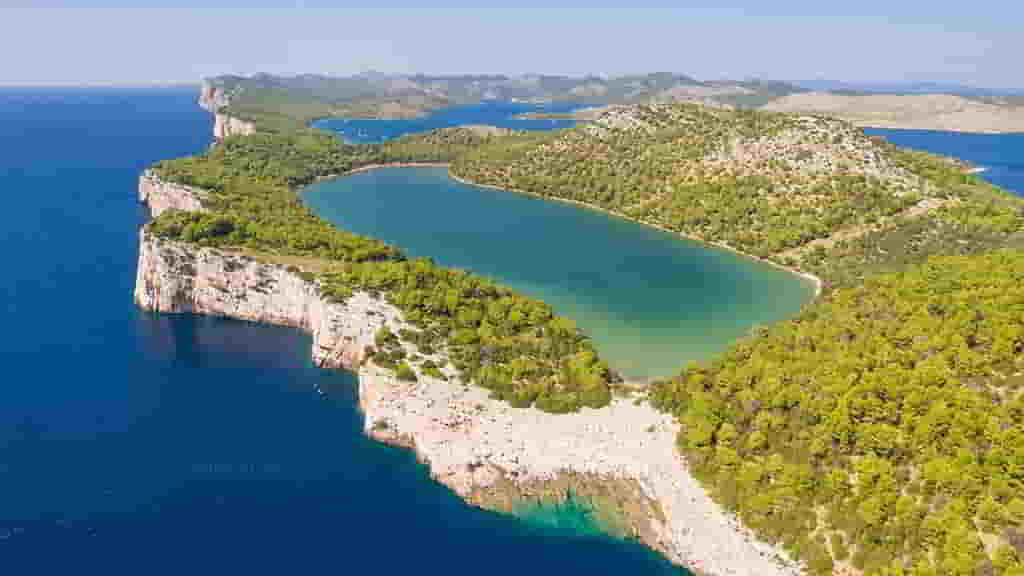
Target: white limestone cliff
x=483 y=449
x=161 y=195
x=214 y=98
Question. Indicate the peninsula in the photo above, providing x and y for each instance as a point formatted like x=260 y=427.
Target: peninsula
x=789 y=454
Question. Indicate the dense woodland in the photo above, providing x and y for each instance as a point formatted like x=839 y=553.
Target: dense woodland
x=765 y=184
x=513 y=345
x=879 y=432
x=885 y=425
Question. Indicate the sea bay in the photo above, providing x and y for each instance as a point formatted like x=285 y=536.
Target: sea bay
x=651 y=300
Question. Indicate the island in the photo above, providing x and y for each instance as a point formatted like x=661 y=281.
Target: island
x=948 y=112
x=879 y=432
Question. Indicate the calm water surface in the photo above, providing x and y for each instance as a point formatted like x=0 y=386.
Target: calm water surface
x=134 y=443
x=1002 y=155
x=651 y=300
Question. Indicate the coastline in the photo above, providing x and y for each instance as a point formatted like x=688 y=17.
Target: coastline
x=371 y=167
x=817 y=282
x=924 y=111
x=814 y=280
x=623 y=457
x=925 y=126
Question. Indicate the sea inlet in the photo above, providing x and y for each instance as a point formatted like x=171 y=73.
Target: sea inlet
x=651 y=300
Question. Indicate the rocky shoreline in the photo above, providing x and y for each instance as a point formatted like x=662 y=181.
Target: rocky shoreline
x=621 y=458
x=214 y=99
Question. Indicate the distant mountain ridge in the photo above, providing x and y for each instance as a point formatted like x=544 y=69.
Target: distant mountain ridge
x=285 y=102
x=905 y=88
x=269 y=99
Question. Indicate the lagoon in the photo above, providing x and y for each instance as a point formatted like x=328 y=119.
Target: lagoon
x=651 y=300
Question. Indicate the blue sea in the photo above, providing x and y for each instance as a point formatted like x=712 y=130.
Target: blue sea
x=1001 y=155
x=134 y=443
x=491 y=112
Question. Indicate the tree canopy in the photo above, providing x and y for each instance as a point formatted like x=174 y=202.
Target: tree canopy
x=880 y=431
x=513 y=345
x=887 y=421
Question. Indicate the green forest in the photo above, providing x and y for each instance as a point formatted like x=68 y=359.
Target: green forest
x=765 y=184
x=885 y=425
x=879 y=432
x=510 y=344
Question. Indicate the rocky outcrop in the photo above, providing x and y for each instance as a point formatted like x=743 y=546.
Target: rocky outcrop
x=161 y=195
x=224 y=126
x=179 y=278
x=215 y=97
x=621 y=458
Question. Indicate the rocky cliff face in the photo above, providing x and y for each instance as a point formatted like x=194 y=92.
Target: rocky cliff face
x=214 y=97
x=622 y=458
x=161 y=195
x=224 y=126
x=179 y=278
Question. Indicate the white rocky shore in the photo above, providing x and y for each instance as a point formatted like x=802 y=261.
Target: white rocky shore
x=214 y=98
x=471 y=443
x=161 y=195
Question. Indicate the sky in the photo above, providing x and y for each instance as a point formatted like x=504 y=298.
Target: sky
x=52 y=42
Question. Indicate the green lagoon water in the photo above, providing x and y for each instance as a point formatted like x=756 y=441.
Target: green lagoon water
x=652 y=301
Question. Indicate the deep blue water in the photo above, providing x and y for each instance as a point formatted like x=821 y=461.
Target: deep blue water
x=493 y=113
x=135 y=443
x=1002 y=155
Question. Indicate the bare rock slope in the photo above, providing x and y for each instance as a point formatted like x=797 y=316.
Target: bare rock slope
x=911 y=111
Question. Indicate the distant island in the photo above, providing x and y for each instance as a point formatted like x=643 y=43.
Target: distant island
x=277 y=102
x=879 y=432
x=910 y=111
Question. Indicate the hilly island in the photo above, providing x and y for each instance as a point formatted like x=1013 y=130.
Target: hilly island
x=877 y=430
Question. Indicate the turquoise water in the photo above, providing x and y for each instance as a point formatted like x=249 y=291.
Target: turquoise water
x=651 y=300
x=137 y=443
x=569 y=515
x=492 y=113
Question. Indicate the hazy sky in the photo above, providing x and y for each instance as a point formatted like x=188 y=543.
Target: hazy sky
x=115 y=41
